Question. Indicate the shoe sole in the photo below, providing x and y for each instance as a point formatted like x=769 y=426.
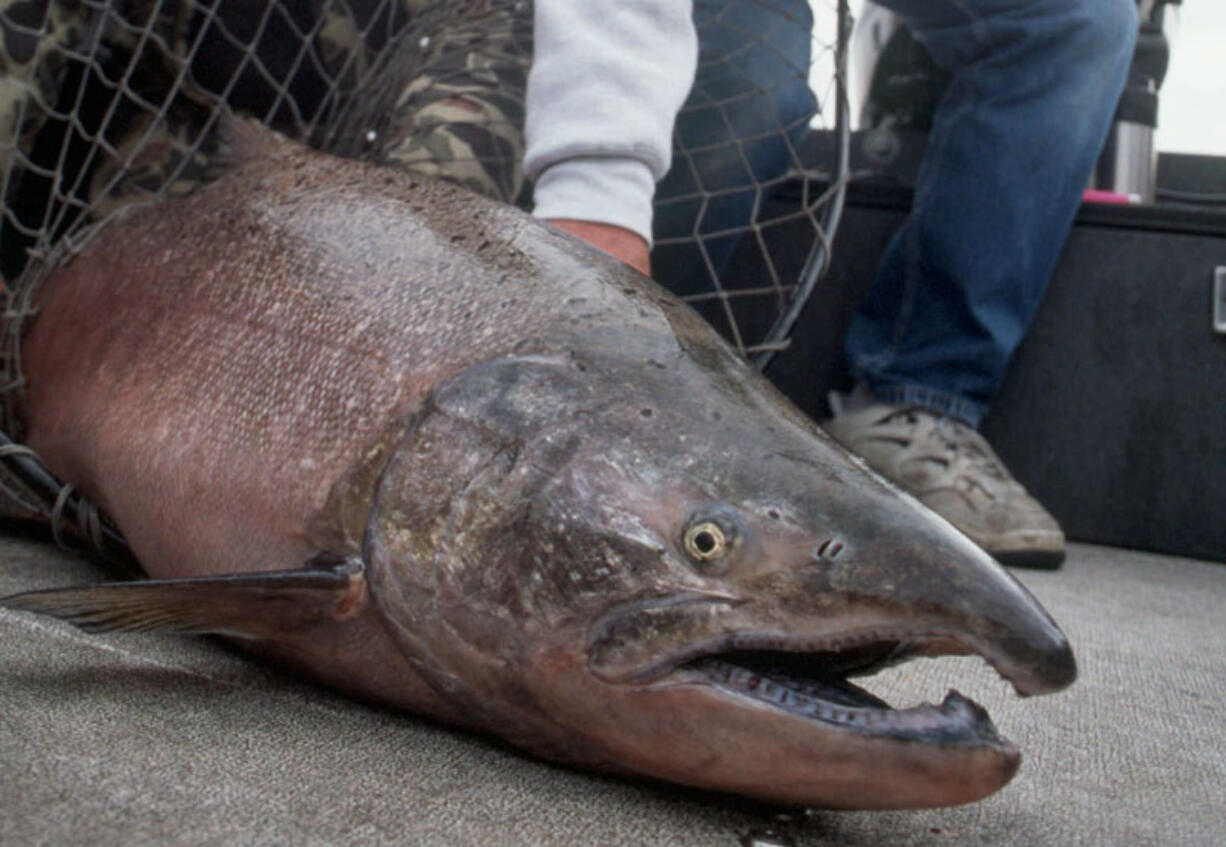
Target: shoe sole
x=1047 y=560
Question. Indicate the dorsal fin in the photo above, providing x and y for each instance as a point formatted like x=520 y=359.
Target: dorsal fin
x=252 y=606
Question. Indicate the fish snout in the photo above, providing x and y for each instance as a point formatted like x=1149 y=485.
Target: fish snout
x=915 y=571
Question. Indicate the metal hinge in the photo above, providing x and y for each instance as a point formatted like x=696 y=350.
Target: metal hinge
x=1219 y=299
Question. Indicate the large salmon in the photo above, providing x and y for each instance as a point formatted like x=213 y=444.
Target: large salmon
x=421 y=447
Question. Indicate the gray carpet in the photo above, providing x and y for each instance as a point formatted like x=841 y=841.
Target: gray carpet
x=143 y=739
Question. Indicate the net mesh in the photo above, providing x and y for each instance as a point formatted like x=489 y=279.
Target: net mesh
x=770 y=74
x=108 y=102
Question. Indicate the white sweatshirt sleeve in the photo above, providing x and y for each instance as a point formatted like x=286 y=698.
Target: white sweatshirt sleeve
x=607 y=80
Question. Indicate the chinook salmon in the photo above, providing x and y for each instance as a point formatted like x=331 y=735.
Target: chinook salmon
x=418 y=446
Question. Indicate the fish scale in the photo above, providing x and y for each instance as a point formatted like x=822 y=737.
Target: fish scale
x=287 y=343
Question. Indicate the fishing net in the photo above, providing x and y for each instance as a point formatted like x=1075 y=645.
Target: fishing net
x=104 y=103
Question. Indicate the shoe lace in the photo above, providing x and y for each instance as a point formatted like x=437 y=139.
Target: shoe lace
x=950 y=443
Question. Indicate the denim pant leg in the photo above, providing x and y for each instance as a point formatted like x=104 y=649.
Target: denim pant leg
x=1034 y=86
x=736 y=133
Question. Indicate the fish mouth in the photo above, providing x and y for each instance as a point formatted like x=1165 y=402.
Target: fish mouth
x=803 y=676
x=811 y=681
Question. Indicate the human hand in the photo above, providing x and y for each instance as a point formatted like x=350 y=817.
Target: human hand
x=616 y=241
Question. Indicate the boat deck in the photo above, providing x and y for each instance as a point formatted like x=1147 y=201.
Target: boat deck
x=135 y=739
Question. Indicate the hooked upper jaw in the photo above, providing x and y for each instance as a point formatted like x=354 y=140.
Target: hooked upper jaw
x=806 y=670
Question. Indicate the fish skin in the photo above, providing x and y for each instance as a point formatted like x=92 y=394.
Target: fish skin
x=511 y=432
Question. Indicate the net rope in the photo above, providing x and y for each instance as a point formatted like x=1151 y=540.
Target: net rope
x=106 y=103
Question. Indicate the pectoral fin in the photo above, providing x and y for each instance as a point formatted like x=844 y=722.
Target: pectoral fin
x=253 y=606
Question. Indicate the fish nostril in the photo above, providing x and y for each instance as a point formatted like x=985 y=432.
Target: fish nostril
x=828 y=550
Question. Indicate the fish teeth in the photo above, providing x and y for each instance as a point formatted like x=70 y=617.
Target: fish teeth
x=799 y=696
x=792 y=695
x=787 y=695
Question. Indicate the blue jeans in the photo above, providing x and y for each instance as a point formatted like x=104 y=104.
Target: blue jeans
x=1034 y=87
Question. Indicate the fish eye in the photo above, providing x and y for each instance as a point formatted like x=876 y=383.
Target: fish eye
x=705 y=541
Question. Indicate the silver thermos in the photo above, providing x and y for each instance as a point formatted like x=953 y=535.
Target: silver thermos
x=895 y=87
x=1128 y=164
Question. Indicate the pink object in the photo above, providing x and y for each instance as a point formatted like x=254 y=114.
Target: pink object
x=1093 y=195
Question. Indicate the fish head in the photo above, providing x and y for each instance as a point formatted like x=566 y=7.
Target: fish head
x=662 y=568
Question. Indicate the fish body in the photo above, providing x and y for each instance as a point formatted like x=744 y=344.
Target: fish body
x=418 y=446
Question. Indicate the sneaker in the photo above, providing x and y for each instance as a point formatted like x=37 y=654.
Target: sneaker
x=950 y=468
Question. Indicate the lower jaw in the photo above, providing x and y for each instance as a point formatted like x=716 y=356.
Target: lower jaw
x=832 y=701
